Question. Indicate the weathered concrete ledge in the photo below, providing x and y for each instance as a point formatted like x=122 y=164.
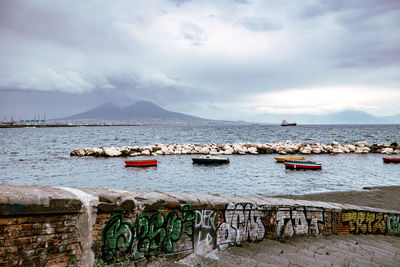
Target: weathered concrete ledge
x=361 y=147
x=109 y=226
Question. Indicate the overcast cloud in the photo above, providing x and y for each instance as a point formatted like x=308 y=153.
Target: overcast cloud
x=208 y=58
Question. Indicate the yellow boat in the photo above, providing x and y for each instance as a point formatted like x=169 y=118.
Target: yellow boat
x=282 y=159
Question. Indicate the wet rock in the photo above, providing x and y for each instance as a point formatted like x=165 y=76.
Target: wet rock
x=77 y=153
x=125 y=151
x=88 y=151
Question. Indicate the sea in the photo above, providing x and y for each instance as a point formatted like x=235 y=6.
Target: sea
x=41 y=157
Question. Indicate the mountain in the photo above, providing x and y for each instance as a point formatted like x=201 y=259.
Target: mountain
x=353 y=116
x=106 y=111
x=344 y=117
x=141 y=111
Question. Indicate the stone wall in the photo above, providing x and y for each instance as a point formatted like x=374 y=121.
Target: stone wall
x=46 y=226
x=38 y=226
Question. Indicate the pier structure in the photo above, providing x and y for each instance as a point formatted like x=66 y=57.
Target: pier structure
x=36 y=121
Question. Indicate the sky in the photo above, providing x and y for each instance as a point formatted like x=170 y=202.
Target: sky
x=227 y=59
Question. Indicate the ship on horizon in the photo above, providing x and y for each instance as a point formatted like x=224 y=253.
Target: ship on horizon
x=285 y=123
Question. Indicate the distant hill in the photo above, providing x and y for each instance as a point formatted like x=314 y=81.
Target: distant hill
x=140 y=111
x=344 y=117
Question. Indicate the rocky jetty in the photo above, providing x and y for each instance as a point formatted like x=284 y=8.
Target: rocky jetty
x=284 y=148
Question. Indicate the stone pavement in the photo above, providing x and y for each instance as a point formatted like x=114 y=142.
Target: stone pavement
x=335 y=250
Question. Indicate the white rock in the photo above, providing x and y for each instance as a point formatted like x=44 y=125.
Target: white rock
x=338 y=150
x=252 y=150
x=111 y=152
x=159 y=152
x=146 y=152
x=363 y=144
x=227 y=152
x=135 y=154
x=305 y=151
x=351 y=147
x=98 y=152
x=316 y=150
x=346 y=149
x=204 y=150
x=358 y=150
x=335 y=144
x=387 y=150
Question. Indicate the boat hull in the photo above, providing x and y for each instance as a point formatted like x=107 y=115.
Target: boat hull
x=140 y=163
x=282 y=159
x=391 y=160
x=303 y=166
x=301 y=162
x=210 y=161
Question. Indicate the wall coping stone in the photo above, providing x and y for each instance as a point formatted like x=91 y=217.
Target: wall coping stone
x=23 y=200
x=16 y=200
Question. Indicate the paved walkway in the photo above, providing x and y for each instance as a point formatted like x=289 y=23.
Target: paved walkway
x=334 y=250
x=345 y=250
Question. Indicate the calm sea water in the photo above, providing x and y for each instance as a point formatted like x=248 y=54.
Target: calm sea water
x=40 y=156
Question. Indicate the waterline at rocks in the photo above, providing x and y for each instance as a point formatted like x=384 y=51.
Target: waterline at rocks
x=283 y=148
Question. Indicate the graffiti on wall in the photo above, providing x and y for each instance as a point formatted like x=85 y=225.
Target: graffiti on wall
x=300 y=221
x=159 y=232
x=393 y=224
x=363 y=222
x=206 y=223
x=241 y=223
x=178 y=230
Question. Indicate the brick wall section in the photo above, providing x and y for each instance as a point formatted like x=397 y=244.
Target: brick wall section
x=42 y=240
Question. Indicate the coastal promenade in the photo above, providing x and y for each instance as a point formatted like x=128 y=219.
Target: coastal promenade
x=48 y=226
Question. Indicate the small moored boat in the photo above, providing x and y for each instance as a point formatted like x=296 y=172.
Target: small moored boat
x=302 y=166
x=282 y=159
x=141 y=163
x=300 y=161
x=391 y=160
x=210 y=160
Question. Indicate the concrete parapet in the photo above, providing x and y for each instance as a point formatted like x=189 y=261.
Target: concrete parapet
x=105 y=226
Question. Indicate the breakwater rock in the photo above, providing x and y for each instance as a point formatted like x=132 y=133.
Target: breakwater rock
x=283 y=148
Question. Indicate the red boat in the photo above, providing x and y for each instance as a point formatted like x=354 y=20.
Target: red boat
x=300 y=166
x=140 y=163
x=391 y=160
